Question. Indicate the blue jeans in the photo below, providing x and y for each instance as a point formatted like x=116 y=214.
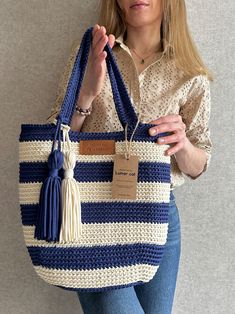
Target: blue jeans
x=153 y=297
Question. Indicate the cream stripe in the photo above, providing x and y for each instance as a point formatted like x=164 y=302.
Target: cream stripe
x=101 y=192
x=108 y=234
x=39 y=151
x=97 y=278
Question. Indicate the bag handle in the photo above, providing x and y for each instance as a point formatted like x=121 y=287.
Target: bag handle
x=124 y=108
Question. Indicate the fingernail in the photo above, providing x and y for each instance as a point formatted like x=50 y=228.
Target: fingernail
x=153 y=131
x=161 y=140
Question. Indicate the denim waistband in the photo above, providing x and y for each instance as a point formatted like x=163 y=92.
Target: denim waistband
x=172 y=196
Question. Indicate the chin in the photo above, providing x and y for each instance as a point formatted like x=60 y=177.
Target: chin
x=139 y=22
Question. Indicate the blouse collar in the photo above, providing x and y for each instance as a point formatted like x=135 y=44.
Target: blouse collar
x=120 y=40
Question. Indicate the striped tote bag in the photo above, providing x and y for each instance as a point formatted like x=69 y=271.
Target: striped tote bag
x=94 y=206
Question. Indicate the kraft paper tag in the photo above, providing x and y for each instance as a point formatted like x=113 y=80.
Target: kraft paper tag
x=125 y=175
x=97 y=147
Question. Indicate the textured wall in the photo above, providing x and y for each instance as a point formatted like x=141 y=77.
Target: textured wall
x=35 y=41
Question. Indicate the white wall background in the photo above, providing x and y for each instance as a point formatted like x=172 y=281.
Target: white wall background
x=35 y=41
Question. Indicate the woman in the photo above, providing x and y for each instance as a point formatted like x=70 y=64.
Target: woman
x=169 y=86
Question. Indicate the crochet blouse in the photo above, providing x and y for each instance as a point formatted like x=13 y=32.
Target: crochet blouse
x=160 y=89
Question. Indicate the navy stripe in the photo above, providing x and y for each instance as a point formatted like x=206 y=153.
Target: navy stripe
x=34 y=172
x=108 y=212
x=45 y=132
x=96 y=257
x=95 y=172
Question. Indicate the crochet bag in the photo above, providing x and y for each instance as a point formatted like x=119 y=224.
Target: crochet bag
x=94 y=209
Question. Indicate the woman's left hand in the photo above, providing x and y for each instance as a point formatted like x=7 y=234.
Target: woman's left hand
x=170 y=123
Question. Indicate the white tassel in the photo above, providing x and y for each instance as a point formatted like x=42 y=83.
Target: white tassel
x=71 y=225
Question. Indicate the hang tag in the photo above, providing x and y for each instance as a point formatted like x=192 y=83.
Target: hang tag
x=97 y=147
x=125 y=175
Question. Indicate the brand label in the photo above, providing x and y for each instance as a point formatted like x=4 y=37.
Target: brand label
x=97 y=147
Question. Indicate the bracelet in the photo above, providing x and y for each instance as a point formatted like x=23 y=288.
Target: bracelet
x=83 y=112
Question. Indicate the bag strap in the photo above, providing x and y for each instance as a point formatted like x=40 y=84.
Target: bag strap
x=124 y=108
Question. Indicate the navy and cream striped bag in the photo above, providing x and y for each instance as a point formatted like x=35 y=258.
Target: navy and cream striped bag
x=79 y=235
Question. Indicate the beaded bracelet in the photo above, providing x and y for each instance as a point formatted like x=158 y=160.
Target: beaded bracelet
x=83 y=112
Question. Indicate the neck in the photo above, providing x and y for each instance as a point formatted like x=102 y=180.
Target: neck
x=144 y=39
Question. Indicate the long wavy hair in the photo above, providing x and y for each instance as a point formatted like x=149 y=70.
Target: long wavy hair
x=175 y=35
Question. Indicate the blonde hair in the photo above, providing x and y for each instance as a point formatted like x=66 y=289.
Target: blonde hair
x=176 y=38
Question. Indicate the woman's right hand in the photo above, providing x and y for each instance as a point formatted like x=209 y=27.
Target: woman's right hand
x=96 y=67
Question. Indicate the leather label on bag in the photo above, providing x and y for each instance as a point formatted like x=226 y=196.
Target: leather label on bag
x=125 y=175
x=97 y=147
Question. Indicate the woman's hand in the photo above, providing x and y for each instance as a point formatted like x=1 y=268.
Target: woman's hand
x=96 y=67
x=191 y=159
x=170 y=123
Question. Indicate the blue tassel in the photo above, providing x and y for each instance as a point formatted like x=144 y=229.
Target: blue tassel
x=48 y=219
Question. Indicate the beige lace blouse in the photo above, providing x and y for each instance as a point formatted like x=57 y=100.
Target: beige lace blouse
x=160 y=89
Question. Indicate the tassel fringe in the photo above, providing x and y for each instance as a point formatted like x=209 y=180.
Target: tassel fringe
x=71 y=225
x=48 y=218
x=59 y=214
